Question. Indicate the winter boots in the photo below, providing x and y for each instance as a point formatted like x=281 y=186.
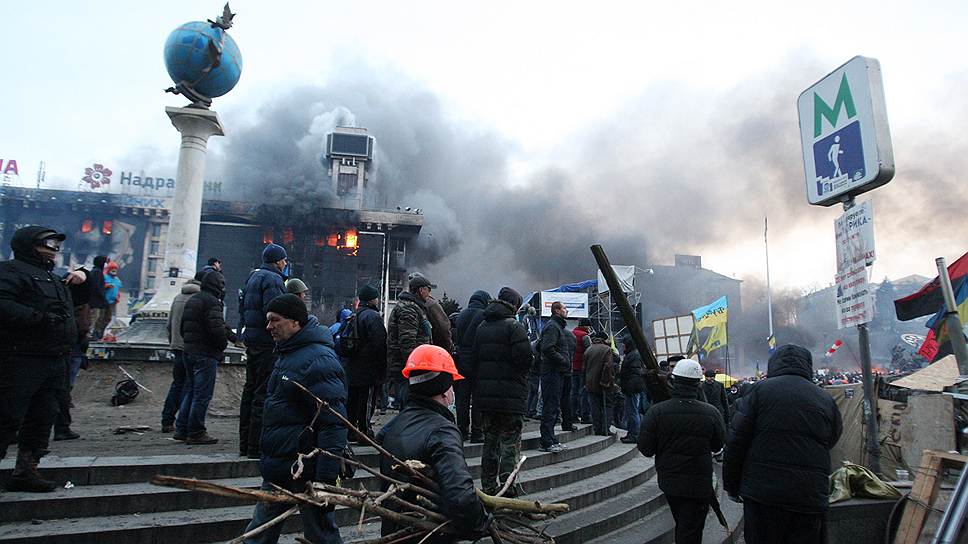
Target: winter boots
x=25 y=476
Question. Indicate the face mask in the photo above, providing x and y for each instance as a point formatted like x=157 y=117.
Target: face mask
x=449 y=396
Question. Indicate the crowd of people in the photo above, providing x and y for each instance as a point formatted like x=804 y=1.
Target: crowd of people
x=473 y=380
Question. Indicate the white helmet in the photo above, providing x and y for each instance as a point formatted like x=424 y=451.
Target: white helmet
x=687 y=368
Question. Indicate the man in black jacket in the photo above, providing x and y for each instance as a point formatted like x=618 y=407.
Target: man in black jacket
x=205 y=335
x=777 y=460
x=407 y=327
x=425 y=431
x=37 y=332
x=555 y=365
x=682 y=433
x=503 y=358
x=631 y=380
x=465 y=332
x=367 y=367
x=715 y=393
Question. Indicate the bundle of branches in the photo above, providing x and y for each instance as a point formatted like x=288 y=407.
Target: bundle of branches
x=415 y=504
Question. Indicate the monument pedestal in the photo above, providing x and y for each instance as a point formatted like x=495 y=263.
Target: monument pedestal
x=147 y=337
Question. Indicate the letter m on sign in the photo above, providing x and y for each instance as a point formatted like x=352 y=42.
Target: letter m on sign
x=821 y=110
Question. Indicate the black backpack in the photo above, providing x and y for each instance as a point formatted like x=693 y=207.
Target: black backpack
x=348 y=341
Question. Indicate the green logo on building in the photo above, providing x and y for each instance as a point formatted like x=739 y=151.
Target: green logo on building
x=822 y=110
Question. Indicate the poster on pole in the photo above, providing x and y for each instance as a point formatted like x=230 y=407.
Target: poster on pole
x=854 y=235
x=855 y=301
x=625 y=275
x=576 y=303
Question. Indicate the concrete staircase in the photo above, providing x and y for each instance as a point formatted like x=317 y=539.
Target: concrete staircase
x=610 y=487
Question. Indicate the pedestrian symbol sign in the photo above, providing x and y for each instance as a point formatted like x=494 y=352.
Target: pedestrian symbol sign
x=843 y=127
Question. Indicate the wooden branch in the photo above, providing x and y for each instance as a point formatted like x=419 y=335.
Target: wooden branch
x=406 y=532
x=519 y=505
x=441 y=526
x=414 y=487
x=264 y=526
x=511 y=477
x=192 y=484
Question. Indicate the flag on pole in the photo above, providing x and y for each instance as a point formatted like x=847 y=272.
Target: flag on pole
x=929 y=349
x=938 y=324
x=929 y=298
x=771 y=343
x=833 y=348
x=711 y=317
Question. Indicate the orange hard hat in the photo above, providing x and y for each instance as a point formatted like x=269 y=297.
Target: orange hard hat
x=431 y=358
x=112 y=266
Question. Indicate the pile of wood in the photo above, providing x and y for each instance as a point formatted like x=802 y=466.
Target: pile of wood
x=414 y=506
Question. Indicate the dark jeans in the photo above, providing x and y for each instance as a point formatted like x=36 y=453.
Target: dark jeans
x=468 y=421
x=62 y=422
x=534 y=396
x=765 y=524
x=579 y=396
x=319 y=524
x=401 y=392
x=176 y=391
x=199 y=387
x=567 y=411
x=258 y=366
x=601 y=412
x=551 y=383
x=690 y=515
x=358 y=410
x=29 y=388
x=633 y=416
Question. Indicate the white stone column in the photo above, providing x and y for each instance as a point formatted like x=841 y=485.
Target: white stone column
x=196 y=126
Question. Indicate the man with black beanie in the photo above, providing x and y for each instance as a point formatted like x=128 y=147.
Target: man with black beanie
x=425 y=431
x=364 y=344
x=503 y=358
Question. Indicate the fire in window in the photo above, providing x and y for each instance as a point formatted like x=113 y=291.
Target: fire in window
x=267 y=235
x=107 y=227
x=87 y=226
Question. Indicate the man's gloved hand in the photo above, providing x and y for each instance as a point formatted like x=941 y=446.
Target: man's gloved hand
x=736 y=498
x=53 y=319
x=485 y=530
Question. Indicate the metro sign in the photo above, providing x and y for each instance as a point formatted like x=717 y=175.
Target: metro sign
x=843 y=128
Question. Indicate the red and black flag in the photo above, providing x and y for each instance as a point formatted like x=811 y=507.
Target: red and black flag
x=929 y=298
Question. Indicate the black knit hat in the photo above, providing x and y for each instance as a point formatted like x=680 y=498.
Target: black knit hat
x=710 y=373
x=510 y=296
x=368 y=293
x=289 y=306
x=423 y=385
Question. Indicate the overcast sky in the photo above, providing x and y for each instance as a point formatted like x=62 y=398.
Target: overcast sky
x=550 y=80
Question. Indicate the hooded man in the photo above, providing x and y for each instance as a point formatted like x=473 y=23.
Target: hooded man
x=177 y=346
x=579 y=395
x=465 y=331
x=292 y=422
x=682 y=433
x=264 y=284
x=503 y=358
x=777 y=460
x=37 y=332
x=365 y=352
x=206 y=336
x=407 y=328
x=425 y=431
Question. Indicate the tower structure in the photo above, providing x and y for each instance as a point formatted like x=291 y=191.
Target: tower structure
x=349 y=152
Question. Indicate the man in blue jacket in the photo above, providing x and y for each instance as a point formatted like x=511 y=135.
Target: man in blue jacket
x=306 y=357
x=264 y=284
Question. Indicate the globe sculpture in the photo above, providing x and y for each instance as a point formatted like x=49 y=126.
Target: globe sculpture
x=203 y=60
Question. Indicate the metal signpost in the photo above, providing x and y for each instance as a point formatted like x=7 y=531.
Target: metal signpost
x=846 y=152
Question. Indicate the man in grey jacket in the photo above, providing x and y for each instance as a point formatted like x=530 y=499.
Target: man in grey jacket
x=177 y=346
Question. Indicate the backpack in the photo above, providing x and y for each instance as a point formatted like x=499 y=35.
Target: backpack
x=348 y=340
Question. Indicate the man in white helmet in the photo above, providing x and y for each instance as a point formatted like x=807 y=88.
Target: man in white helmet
x=682 y=433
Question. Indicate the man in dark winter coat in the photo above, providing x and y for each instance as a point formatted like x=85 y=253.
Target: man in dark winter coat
x=631 y=380
x=264 y=284
x=407 y=328
x=206 y=336
x=101 y=314
x=177 y=345
x=465 y=332
x=579 y=395
x=777 y=458
x=715 y=393
x=440 y=334
x=503 y=358
x=682 y=433
x=307 y=358
x=555 y=366
x=599 y=381
x=37 y=334
x=425 y=431
x=367 y=367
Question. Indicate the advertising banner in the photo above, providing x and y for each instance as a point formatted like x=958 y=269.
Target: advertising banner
x=577 y=303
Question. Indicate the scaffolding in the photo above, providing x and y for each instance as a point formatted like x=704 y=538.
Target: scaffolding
x=603 y=312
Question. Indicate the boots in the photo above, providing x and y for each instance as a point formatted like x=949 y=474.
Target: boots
x=25 y=476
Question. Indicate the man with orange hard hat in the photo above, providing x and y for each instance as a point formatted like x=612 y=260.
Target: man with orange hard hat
x=426 y=431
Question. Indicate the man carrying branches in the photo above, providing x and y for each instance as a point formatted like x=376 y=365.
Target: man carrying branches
x=425 y=431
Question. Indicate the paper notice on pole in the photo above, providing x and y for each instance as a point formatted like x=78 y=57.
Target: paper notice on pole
x=854 y=233
x=855 y=302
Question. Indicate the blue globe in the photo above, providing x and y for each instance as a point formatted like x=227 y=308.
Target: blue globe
x=187 y=55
